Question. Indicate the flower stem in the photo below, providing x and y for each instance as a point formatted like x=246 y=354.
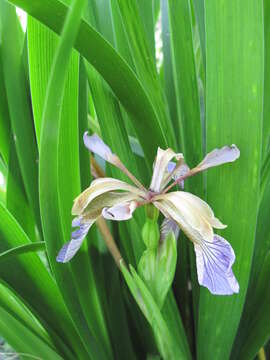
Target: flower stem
x=109 y=240
x=102 y=225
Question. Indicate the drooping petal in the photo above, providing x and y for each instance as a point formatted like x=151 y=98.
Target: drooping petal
x=102 y=186
x=160 y=172
x=219 y=156
x=199 y=205
x=168 y=225
x=69 y=250
x=214 y=262
x=178 y=171
x=120 y=212
x=194 y=225
x=96 y=145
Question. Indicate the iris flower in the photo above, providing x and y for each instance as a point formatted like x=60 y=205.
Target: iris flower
x=117 y=200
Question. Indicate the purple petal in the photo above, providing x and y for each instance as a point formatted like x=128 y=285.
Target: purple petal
x=219 y=157
x=72 y=247
x=76 y=221
x=97 y=146
x=119 y=212
x=167 y=226
x=171 y=166
x=181 y=171
x=214 y=266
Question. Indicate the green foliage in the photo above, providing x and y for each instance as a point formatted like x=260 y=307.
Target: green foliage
x=91 y=65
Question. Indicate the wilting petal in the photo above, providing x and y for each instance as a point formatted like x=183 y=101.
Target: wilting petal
x=194 y=225
x=214 y=266
x=167 y=226
x=160 y=172
x=102 y=186
x=120 y=212
x=178 y=172
x=201 y=206
x=97 y=146
x=219 y=157
x=72 y=247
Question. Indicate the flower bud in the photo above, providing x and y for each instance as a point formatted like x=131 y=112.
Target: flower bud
x=150 y=234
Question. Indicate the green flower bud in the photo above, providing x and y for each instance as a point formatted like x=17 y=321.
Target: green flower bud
x=150 y=234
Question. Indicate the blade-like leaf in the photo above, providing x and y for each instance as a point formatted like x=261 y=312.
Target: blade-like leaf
x=19 y=105
x=23 y=340
x=111 y=66
x=59 y=148
x=234 y=98
x=185 y=80
x=255 y=333
x=4 y=115
x=144 y=65
x=30 y=280
x=16 y=200
x=256 y=313
x=23 y=249
x=168 y=347
x=12 y=304
x=266 y=104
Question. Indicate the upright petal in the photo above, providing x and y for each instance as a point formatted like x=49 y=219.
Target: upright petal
x=160 y=172
x=219 y=157
x=102 y=186
x=214 y=262
x=69 y=250
x=97 y=146
x=120 y=212
x=214 y=158
x=178 y=172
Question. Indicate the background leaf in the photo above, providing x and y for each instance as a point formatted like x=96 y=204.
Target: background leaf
x=234 y=94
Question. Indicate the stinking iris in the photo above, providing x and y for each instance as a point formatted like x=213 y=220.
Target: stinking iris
x=116 y=200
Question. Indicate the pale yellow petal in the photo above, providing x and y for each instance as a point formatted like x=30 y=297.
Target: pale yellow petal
x=108 y=199
x=101 y=186
x=201 y=206
x=189 y=220
x=160 y=172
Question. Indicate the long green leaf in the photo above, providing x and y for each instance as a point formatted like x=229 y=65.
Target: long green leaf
x=144 y=65
x=19 y=104
x=12 y=304
x=4 y=114
x=266 y=104
x=59 y=148
x=199 y=12
x=27 y=345
x=111 y=66
x=253 y=334
x=234 y=100
x=168 y=348
x=256 y=312
x=41 y=45
x=30 y=280
x=185 y=80
x=16 y=199
x=23 y=249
